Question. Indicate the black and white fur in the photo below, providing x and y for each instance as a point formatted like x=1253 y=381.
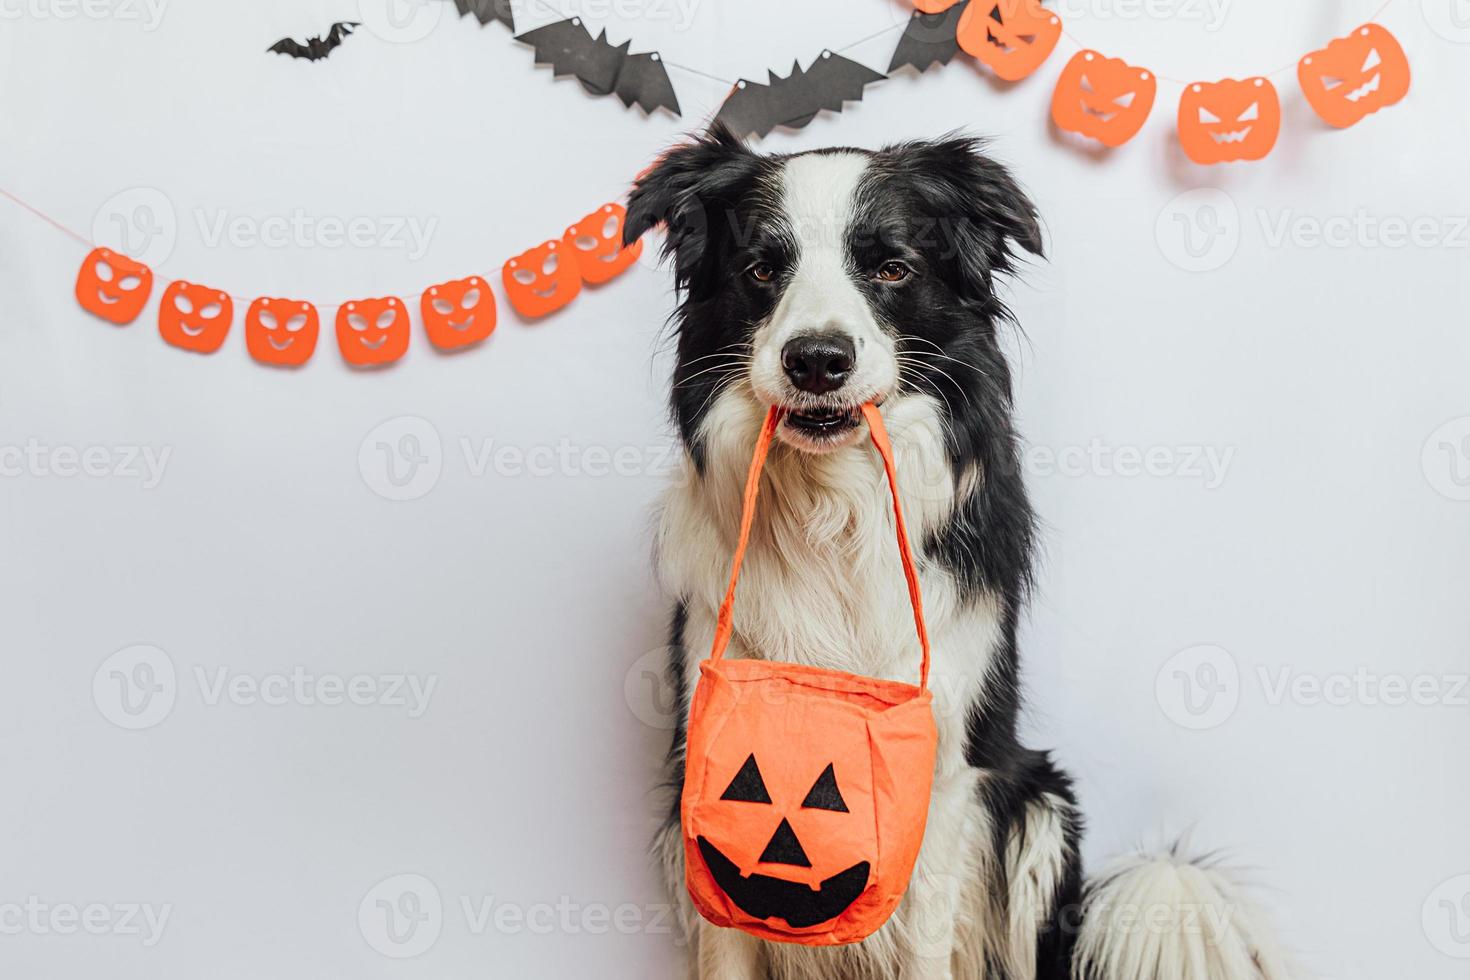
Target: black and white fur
x=896 y=252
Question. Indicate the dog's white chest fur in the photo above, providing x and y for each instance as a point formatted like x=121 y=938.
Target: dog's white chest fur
x=823 y=583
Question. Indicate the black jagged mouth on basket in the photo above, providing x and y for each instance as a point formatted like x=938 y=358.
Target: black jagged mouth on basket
x=799 y=906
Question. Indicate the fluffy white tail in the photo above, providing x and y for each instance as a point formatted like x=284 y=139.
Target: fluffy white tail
x=1171 y=917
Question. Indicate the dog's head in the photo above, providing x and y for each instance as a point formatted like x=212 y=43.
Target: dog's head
x=823 y=280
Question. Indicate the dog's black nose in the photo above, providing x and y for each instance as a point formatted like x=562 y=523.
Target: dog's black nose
x=818 y=363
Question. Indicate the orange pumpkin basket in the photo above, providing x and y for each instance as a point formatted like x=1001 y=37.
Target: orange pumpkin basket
x=805 y=790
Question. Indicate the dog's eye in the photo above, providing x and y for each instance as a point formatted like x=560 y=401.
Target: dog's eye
x=893 y=272
x=761 y=272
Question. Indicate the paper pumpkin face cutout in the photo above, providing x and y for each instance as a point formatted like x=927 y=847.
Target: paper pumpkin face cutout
x=195 y=318
x=598 y=242
x=458 y=313
x=1355 y=75
x=1229 y=120
x=1010 y=37
x=542 y=280
x=1106 y=99
x=934 y=6
x=281 y=332
x=371 y=332
x=113 y=286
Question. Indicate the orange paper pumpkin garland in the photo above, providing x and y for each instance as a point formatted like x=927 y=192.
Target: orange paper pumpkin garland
x=372 y=332
x=458 y=313
x=1010 y=37
x=805 y=790
x=195 y=318
x=1106 y=99
x=113 y=286
x=1355 y=76
x=281 y=332
x=598 y=243
x=1229 y=120
x=542 y=280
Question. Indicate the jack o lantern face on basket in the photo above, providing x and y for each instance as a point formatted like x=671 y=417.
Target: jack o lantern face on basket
x=371 y=332
x=598 y=242
x=1355 y=75
x=1106 y=99
x=113 y=286
x=1011 y=37
x=772 y=893
x=934 y=6
x=281 y=332
x=1229 y=120
x=195 y=318
x=542 y=280
x=788 y=833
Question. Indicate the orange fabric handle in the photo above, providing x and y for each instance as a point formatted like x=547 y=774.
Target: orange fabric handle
x=724 y=626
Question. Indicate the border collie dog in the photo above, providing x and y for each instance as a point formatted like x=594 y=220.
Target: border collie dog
x=817 y=282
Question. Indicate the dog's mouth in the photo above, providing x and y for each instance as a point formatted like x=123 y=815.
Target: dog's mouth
x=820 y=430
x=824 y=422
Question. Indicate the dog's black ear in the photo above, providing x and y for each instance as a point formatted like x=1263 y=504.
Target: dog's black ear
x=980 y=214
x=692 y=191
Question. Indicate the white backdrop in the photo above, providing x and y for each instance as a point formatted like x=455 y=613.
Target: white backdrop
x=1255 y=480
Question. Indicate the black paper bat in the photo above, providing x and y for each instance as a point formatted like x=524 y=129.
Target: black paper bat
x=315 y=48
x=796 y=99
x=603 y=68
x=487 y=10
x=929 y=39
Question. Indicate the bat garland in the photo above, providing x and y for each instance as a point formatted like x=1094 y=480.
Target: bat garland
x=795 y=100
x=929 y=40
x=487 y=10
x=315 y=48
x=602 y=67
x=642 y=79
